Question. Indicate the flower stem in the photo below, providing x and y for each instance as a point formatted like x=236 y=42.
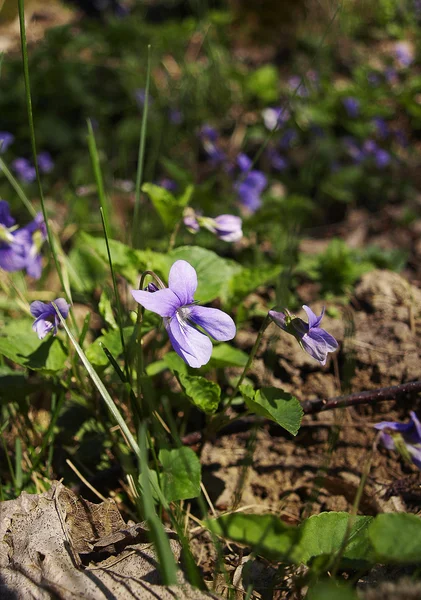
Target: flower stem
x=256 y=345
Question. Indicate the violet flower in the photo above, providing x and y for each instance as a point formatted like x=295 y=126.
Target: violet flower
x=168 y=184
x=45 y=162
x=21 y=248
x=250 y=184
x=209 y=137
x=313 y=339
x=274 y=118
x=182 y=316
x=24 y=169
x=352 y=106
x=403 y=437
x=226 y=227
x=6 y=139
x=46 y=317
x=403 y=54
x=277 y=161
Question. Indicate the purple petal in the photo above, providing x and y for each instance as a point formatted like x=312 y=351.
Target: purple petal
x=195 y=348
x=228 y=228
x=331 y=343
x=313 y=320
x=215 y=322
x=402 y=427
x=5 y=218
x=39 y=308
x=42 y=327
x=244 y=162
x=278 y=318
x=63 y=307
x=12 y=257
x=387 y=441
x=163 y=302
x=33 y=266
x=182 y=280
x=416 y=424
x=415 y=455
x=314 y=344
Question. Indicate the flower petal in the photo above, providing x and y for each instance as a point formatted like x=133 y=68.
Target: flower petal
x=42 y=327
x=63 y=307
x=215 y=322
x=163 y=302
x=331 y=343
x=39 y=308
x=182 y=280
x=195 y=348
x=313 y=319
x=416 y=424
x=314 y=344
x=278 y=318
x=401 y=427
x=415 y=453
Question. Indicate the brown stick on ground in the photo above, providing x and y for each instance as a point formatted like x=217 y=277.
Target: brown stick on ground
x=318 y=405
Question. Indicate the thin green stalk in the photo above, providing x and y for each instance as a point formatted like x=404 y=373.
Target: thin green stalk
x=141 y=156
x=18 y=189
x=34 y=152
x=256 y=345
x=96 y=167
x=166 y=562
x=116 y=294
x=101 y=388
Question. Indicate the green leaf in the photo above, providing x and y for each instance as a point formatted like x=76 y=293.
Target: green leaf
x=112 y=341
x=181 y=474
x=331 y=590
x=106 y=310
x=21 y=345
x=175 y=363
x=264 y=83
x=396 y=537
x=225 y=355
x=266 y=534
x=14 y=385
x=276 y=405
x=246 y=281
x=324 y=534
x=203 y=393
x=126 y=261
x=169 y=208
x=318 y=536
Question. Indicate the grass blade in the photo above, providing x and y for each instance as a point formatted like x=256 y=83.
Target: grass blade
x=166 y=561
x=18 y=189
x=100 y=387
x=96 y=166
x=141 y=156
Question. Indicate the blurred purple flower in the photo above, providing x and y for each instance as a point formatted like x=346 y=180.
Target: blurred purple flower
x=352 y=106
x=168 y=184
x=21 y=248
x=369 y=146
x=226 y=227
x=404 y=437
x=140 y=97
x=181 y=315
x=403 y=54
x=175 y=116
x=24 y=170
x=45 y=162
x=382 y=128
x=382 y=158
x=209 y=137
x=46 y=317
x=5 y=140
x=287 y=138
x=313 y=339
x=250 y=185
x=274 y=118
x=297 y=86
x=277 y=161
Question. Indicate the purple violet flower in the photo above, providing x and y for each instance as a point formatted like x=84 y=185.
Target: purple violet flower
x=45 y=162
x=313 y=339
x=352 y=106
x=182 y=316
x=382 y=128
x=46 y=317
x=209 y=137
x=274 y=118
x=168 y=184
x=277 y=161
x=403 y=437
x=250 y=185
x=6 y=139
x=21 y=248
x=288 y=138
x=382 y=158
x=226 y=227
x=403 y=54
x=24 y=169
